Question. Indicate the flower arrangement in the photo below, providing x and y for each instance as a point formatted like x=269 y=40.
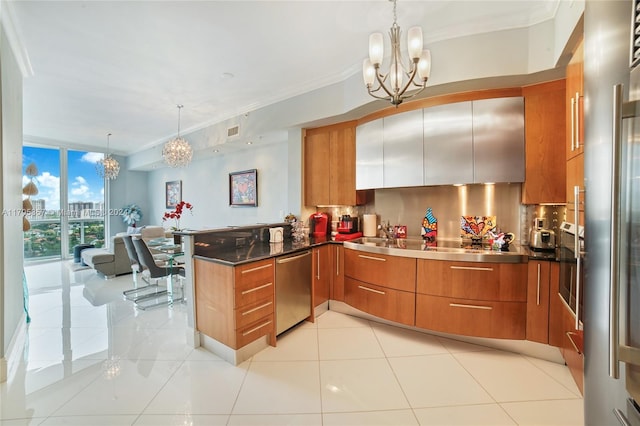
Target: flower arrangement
x=131 y=214
x=177 y=213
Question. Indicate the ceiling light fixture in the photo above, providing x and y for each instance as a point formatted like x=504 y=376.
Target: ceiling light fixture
x=108 y=167
x=177 y=152
x=419 y=67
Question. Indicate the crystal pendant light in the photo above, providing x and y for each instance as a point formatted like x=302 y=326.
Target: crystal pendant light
x=177 y=152
x=108 y=167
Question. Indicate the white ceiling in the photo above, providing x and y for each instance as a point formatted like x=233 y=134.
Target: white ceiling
x=123 y=66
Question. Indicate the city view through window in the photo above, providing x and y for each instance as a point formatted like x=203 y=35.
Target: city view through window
x=68 y=210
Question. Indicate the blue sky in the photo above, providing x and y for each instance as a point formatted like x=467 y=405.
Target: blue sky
x=84 y=182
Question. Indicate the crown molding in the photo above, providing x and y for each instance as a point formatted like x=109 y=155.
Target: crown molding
x=8 y=21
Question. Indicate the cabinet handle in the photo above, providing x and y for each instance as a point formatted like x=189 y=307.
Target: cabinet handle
x=538 y=293
x=569 y=334
x=318 y=268
x=460 y=305
x=257 y=308
x=471 y=268
x=577 y=120
x=257 y=268
x=256 y=288
x=256 y=328
x=573 y=124
x=337 y=262
x=371 y=290
x=372 y=258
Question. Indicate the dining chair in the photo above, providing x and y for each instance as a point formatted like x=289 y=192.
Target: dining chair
x=156 y=271
x=137 y=268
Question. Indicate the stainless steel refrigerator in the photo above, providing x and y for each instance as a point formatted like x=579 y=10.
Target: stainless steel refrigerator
x=612 y=213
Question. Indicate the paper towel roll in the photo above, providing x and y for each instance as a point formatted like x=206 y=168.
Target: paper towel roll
x=369 y=225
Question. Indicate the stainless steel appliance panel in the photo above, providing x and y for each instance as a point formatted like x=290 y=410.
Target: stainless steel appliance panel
x=448 y=144
x=369 y=155
x=402 y=142
x=498 y=140
x=606 y=37
x=293 y=290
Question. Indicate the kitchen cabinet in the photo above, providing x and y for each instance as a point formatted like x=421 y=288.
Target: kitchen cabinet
x=538 y=298
x=498 y=140
x=403 y=150
x=337 y=272
x=381 y=285
x=556 y=306
x=322 y=272
x=369 y=155
x=472 y=298
x=572 y=348
x=235 y=305
x=574 y=103
x=575 y=177
x=545 y=171
x=448 y=144
x=329 y=165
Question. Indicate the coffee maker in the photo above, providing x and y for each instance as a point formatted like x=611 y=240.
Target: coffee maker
x=348 y=224
x=319 y=225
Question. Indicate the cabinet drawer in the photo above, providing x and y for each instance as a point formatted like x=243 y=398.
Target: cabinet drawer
x=394 y=305
x=502 y=320
x=473 y=280
x=253 y=282
x=255 y=330
x=253 y=312
x=388 y=271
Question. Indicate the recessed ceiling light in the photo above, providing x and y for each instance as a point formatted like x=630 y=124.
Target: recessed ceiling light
x=216 y=150
x=226 y=75
x=249 y=143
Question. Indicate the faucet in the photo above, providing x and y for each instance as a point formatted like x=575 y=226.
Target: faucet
x=387 y=230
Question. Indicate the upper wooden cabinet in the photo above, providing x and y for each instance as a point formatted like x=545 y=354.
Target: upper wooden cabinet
x=545 y=151
x=575 y=103
x=329 y=165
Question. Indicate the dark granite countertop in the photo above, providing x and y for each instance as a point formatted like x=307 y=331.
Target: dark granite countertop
x=255 y=250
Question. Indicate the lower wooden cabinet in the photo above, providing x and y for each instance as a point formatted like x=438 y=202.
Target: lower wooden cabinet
x=572 y=347
x=321 y=271
x=235 y=305
x=383 y=302
x=337 y=273
x=502 y=320
x=538 y=285
x=394 y=272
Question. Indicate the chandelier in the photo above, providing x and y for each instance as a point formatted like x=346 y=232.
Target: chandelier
x=108 y=167
x=391 y=82
x=177 y=152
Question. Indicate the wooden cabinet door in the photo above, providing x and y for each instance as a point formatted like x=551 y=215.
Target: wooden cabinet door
x=337 y=273
x=575 y=103
x=321 y=274
x=544 y=143
x=342 y=169
x=575 y=177
x=556 y=333
x=572 y=348
x=538 y=301
x=383 y=302
x=387 y=271
x=316 y=168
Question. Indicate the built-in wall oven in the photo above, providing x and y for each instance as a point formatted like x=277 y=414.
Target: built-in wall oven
x=571 y=256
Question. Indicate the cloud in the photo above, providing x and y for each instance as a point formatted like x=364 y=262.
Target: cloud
x=80 y=181
x=80 y=190
x=47 y=180
x=92 y=157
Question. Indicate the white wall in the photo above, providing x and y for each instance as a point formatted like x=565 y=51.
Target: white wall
x=11 y=294
x=128 y=188
x=205 y=184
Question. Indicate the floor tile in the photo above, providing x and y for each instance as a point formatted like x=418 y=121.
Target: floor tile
x=558 y=372
x=465 y=415
x=296 y=345
x=34 y=421
x=199 y=388
x=455 y=346
x=437 y=380
x=331 y=319
x=396 y=341
x=181 y=419
x=510 y=377
x=371 y=418
x=129 y=392
x=90 y=420
x=348 y=343
x=276 y=420
x=541 y=413
x=360 y=385
x=291 y=387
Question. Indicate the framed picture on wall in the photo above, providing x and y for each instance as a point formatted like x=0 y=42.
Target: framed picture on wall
x=173 y=191
x=243 y=188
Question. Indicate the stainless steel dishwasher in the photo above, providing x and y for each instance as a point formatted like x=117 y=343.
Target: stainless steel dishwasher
x=293 y=290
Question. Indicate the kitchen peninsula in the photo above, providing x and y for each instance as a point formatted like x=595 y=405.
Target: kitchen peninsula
x=469 y=291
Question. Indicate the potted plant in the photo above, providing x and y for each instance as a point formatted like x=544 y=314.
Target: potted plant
x=131 y=214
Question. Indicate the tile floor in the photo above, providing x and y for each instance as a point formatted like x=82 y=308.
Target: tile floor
x=91 y=358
